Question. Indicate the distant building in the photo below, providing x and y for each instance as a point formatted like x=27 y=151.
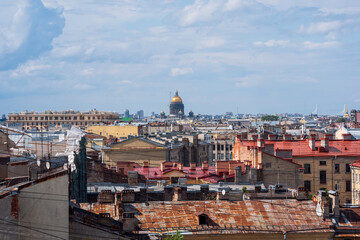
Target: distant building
x=116 y=131
x=355 y=115
x=325 y=162
x=58 y=120
x=127 y=113
x=176 y=105
x=140 y=114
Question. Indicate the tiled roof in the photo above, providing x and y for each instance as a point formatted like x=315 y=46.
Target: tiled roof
x=237 y=217
x=356 y=164
x=301 y=147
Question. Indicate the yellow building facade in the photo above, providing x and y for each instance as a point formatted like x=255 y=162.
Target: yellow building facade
x=116 y=131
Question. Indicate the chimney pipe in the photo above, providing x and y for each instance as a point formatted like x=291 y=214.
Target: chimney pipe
x=325 y=144
x=312 y=141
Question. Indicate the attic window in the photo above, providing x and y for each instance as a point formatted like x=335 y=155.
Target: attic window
x=203 y=219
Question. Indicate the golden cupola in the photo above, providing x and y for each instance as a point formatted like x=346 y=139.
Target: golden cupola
x=176 y=98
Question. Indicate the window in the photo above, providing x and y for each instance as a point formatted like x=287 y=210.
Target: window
x=348 y=186
x=307 y=168
x=202 y=219
x=307 y=185
x=337 y=168
x=267 y=165
x=222 y=147
x=230 y=147
x=222 y=156
x=218 y=147
x=347 y=168
x=322 y=177
x=322 y=163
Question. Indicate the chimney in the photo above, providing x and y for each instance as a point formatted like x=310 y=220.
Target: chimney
x=133 y=178
x=312 y=141
x=128 y=196
x=329 y=136
x=205 y=165
x=325 y=205
x=253 y=176
x=143 y=192
x=272 y=137
x=238 y=172
x=180 y=166
x=204 y=189
x=325 y=144
x=346 y=136
x=180 y=194
x=287 y=137
x=192 y=166
x=146 y=164
x=335 y=204
x=253 y=137
x=260 y=142
x=168 y=193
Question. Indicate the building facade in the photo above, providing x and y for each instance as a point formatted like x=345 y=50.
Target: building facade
x=355 y=183
x=116 y=131
x=58 y=120
x=326 y=162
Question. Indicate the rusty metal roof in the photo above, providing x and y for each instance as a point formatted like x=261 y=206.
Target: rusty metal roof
x=232 y=217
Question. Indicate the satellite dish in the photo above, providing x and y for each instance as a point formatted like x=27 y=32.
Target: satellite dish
x=47 y=165
x=38 y=162
x=223 y=192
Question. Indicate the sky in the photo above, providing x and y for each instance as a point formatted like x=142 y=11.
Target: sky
x=258 y=56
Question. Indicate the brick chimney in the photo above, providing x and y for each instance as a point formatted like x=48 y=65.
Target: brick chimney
x=312 y=141
x=128 y=196
x=143 y=192
x=192 y=166
x=272 y=137
x=335 y=204
x=205 y=165
x=146 y=164
x=287 y=137
x=325 y=144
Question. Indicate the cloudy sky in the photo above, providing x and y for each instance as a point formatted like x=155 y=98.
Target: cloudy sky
x=248 y=56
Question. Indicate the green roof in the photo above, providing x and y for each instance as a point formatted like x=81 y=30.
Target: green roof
x=125 y=119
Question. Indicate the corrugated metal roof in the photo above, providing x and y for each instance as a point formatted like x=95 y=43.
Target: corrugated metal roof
x=241 y=216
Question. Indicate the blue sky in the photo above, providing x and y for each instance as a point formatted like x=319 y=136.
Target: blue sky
x=267 y=56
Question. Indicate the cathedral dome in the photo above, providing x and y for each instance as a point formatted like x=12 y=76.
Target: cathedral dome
x=176 y=98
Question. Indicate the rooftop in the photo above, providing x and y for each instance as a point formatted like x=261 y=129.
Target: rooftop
x=251 y=216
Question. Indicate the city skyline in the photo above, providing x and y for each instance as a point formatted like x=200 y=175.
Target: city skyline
x=223 y=56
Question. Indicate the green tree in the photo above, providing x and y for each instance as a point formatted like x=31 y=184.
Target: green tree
x=176 y=236
x=269 y=118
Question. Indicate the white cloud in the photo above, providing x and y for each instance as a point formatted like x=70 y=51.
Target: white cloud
x=272 y=43
x=31 y=33
x=320 y=45
x=232 y=5
x=211 y=42
x=320 y=27
x=180 y=71
x=83 y=86
x=200 y=11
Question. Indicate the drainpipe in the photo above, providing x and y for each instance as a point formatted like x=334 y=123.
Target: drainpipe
x=284 y=235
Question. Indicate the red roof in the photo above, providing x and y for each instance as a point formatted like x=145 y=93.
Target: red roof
x=356 y=164
x=301 y=148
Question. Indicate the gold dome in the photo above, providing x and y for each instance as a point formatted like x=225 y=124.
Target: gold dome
x=176 y=98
